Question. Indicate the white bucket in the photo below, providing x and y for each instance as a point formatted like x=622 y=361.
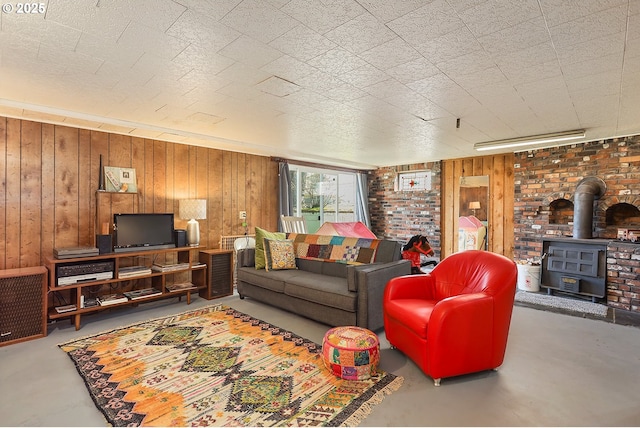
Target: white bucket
x=529 y=277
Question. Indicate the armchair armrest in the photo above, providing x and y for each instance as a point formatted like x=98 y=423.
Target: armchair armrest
x=462 y=324
x=411 y=287
x=370 y=281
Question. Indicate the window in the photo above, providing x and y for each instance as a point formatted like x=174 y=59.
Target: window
x=321 y=195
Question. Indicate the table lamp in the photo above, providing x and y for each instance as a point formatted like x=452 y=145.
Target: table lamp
x=193 y=209
x=473 y=206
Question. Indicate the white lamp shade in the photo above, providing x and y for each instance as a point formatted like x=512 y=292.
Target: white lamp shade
x=474 y=205
x=193 y=209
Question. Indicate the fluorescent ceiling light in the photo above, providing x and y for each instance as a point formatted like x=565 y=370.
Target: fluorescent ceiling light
x=531 y=141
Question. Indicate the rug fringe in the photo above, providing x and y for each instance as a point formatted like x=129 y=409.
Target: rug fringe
x=365 y=410
x=217 y=305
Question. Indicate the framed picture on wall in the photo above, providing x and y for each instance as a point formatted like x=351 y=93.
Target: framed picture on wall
x=412 y=181
x=122 y=180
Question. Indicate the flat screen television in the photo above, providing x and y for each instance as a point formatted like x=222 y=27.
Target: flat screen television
x=139 y=232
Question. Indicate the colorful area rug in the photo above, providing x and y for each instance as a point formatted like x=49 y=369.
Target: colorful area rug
x=218 y=367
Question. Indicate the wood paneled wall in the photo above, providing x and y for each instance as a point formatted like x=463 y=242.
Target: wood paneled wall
x=499 y=168
x=49 y=178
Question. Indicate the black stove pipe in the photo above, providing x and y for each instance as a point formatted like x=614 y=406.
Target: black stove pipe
x=587 y=190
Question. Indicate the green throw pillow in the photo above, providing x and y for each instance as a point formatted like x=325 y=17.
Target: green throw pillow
x=260 y=235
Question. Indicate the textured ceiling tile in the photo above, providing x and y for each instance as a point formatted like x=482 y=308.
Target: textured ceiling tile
x=602 y=84
x=250 y=52
x=518 y=74
x=387 y=88
x=471 y=63
x=448 y=46
x=364 y=76
x=529 y=57
x=289 y=68
x=243 y=74
x=50 y=34
x=606 y=63
x=203 y=31
x=488 y=76
x=101 y=19
x=561 y=11
x=302 y=43
x=277 y=86
x=152 y=41
x=516 y=38
x=495 y=15
x=360 y=34
x=390 y=54
x=430 y=21
x=386 y=11
x=588 y=28
x=597 y=111
x=151 y=13
x=592 y=49
x=203 y=60
x=344 y=93
x=124 y=55
x=259 y=20
x=411 y=71
x=337 y=61
x=325 y=15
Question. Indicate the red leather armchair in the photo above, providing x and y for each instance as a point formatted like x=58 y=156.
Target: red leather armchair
x=454 y=320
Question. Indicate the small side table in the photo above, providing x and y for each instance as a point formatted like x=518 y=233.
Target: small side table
x=351 y=353
x=219 y=273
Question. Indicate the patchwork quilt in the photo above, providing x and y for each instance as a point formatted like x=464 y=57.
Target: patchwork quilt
x=338 y=249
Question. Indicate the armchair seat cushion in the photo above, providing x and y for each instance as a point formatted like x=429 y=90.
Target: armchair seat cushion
x=414 y=313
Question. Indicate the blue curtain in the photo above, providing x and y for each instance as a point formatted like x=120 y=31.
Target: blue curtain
x=362 y=199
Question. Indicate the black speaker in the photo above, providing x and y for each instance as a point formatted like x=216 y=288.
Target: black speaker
x=103 y=242
x=180 y=237
x=23 y=304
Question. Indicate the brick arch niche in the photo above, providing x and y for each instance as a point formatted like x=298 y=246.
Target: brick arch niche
x=561 y=211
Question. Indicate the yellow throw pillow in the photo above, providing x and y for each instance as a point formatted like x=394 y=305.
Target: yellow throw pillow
x=279 y=255
x=261 y=234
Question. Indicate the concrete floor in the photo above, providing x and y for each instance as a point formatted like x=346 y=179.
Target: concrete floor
x=560 y=370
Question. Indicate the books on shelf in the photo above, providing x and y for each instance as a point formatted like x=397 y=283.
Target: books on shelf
x=65 y=308
x=141 y=294
x=158 y=267
x=88 y=302
x=181 y=286
x=112 y=299
x=131 y=271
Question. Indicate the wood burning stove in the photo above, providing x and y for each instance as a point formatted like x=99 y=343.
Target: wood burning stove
x=575 y=266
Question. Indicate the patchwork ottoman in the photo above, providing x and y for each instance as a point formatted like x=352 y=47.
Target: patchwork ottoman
x=351 y=353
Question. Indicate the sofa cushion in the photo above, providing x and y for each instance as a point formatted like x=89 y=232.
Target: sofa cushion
x=335 y=269
x=260 y=235
x=279 y=254
x=308 y=265
x=319 y=289
x=273 y=280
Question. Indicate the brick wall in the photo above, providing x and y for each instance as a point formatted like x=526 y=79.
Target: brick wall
x=623 y=276
x=400 y=215
x=544 y=176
